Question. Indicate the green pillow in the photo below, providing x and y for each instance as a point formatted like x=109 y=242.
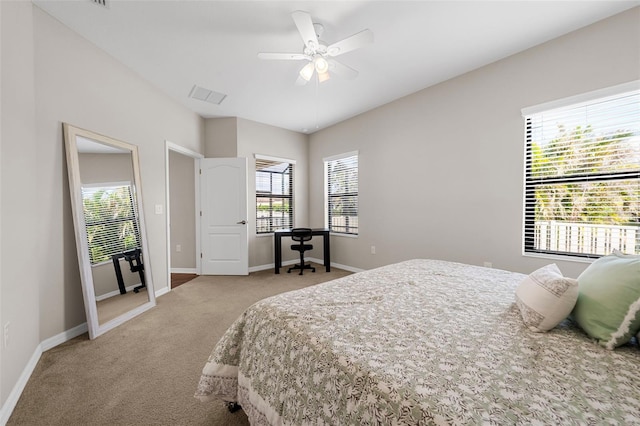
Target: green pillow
x=608 y=306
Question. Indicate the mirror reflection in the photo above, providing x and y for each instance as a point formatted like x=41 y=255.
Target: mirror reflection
x=109 y=229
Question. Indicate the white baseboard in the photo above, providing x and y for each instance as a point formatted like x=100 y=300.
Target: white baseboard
x=337 y=265
x=65 y=336
x=271 y=265
x=162 y=291
x=309 y=259
x=184 y=271
x=45 y=345
x=116 y=292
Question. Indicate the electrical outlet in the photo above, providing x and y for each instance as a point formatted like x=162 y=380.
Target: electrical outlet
x=488 y=265
x=5 y=333
x=158 y=208
x=373 y=249
x=178 y=248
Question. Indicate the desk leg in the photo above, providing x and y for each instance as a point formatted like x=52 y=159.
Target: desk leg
x=116 y=266
x=277 y=251
x=327 y=252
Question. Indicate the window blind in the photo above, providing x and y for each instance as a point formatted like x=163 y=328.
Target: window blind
x=274 y=195
x=111 y=220
x=582 y=178
x=342 y=194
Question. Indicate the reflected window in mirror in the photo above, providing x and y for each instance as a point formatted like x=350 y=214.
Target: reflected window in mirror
x=111 y=219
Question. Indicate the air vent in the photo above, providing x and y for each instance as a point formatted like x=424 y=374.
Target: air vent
x=103 y=3
x=207 y=95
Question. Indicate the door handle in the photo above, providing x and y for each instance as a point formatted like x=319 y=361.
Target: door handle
x=242 y=222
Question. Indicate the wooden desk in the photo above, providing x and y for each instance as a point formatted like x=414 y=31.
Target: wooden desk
x=277 y=242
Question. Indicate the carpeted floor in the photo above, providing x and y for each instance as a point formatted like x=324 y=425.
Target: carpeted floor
x=145 y=372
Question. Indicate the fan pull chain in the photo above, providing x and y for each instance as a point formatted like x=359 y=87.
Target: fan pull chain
x=317 y=84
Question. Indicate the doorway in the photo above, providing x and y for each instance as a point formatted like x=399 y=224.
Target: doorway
x=183 y=241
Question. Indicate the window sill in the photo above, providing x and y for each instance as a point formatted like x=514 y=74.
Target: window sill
x=560 y=257
x=338 y=234
x=268 y=234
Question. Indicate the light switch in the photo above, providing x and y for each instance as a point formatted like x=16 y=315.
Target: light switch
x=158 y=208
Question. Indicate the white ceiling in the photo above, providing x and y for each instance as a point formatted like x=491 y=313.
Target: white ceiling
x=214 y=44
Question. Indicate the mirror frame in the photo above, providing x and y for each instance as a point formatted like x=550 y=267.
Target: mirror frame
x=71 y=133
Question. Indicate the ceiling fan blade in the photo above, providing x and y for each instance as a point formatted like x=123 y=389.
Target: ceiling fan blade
x=301 y=81
x=341 y=69
x=348 y=44
x=305 y=27
x=283 y=56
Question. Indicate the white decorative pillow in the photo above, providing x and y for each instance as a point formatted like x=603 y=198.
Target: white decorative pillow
x=545 y=298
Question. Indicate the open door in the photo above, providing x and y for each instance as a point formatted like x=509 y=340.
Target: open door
x=223 y=217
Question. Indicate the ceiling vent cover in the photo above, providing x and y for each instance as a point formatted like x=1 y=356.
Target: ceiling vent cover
x=207 y=95
x=102 y=3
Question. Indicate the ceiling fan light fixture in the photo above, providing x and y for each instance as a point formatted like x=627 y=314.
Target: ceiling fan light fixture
x=307 y=71
x=321 y=64
x=322 y=77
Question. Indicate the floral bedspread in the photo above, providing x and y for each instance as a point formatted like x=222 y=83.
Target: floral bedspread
x=415 y=343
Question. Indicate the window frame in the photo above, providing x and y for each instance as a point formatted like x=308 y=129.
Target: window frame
x=327 y=196
x=531 y=183
x=271 y=195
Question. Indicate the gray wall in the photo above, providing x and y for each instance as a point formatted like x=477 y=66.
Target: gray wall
x=20 y=263
x=51 y=75
x=441 y=170
x=105 y=168
x=183 y=211
x=221 y=137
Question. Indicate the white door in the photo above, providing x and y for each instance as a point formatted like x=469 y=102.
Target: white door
x=223 y=200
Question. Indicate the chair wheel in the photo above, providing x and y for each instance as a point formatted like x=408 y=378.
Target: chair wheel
x=233 y=407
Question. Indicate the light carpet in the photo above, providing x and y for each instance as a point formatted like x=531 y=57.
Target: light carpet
x=146 y=371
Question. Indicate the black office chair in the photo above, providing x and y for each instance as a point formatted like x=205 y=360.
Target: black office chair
x=301 y=235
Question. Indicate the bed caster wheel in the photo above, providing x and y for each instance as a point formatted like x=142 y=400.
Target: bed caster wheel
x=233 y=407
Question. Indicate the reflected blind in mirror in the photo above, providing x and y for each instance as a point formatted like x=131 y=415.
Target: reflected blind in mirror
x=110 y=217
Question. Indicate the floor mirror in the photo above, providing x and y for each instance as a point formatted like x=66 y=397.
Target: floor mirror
x=106 y=203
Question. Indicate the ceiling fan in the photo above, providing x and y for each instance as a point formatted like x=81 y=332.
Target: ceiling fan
x=318 y=55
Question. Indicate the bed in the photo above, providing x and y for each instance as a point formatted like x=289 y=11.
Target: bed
x=417 y=342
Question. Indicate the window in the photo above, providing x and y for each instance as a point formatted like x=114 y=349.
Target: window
x=111 y=220
x=274 y=189
x=342 y=193
x=582 y=177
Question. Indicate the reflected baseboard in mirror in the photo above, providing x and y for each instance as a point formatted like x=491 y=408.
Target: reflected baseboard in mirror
x=106 y=202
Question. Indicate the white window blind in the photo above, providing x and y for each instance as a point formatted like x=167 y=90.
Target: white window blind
x=342 y=193
x=111 y=220
x=582 y=178
x=274 y=194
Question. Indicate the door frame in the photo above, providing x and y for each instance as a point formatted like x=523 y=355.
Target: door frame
x=170 y=146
